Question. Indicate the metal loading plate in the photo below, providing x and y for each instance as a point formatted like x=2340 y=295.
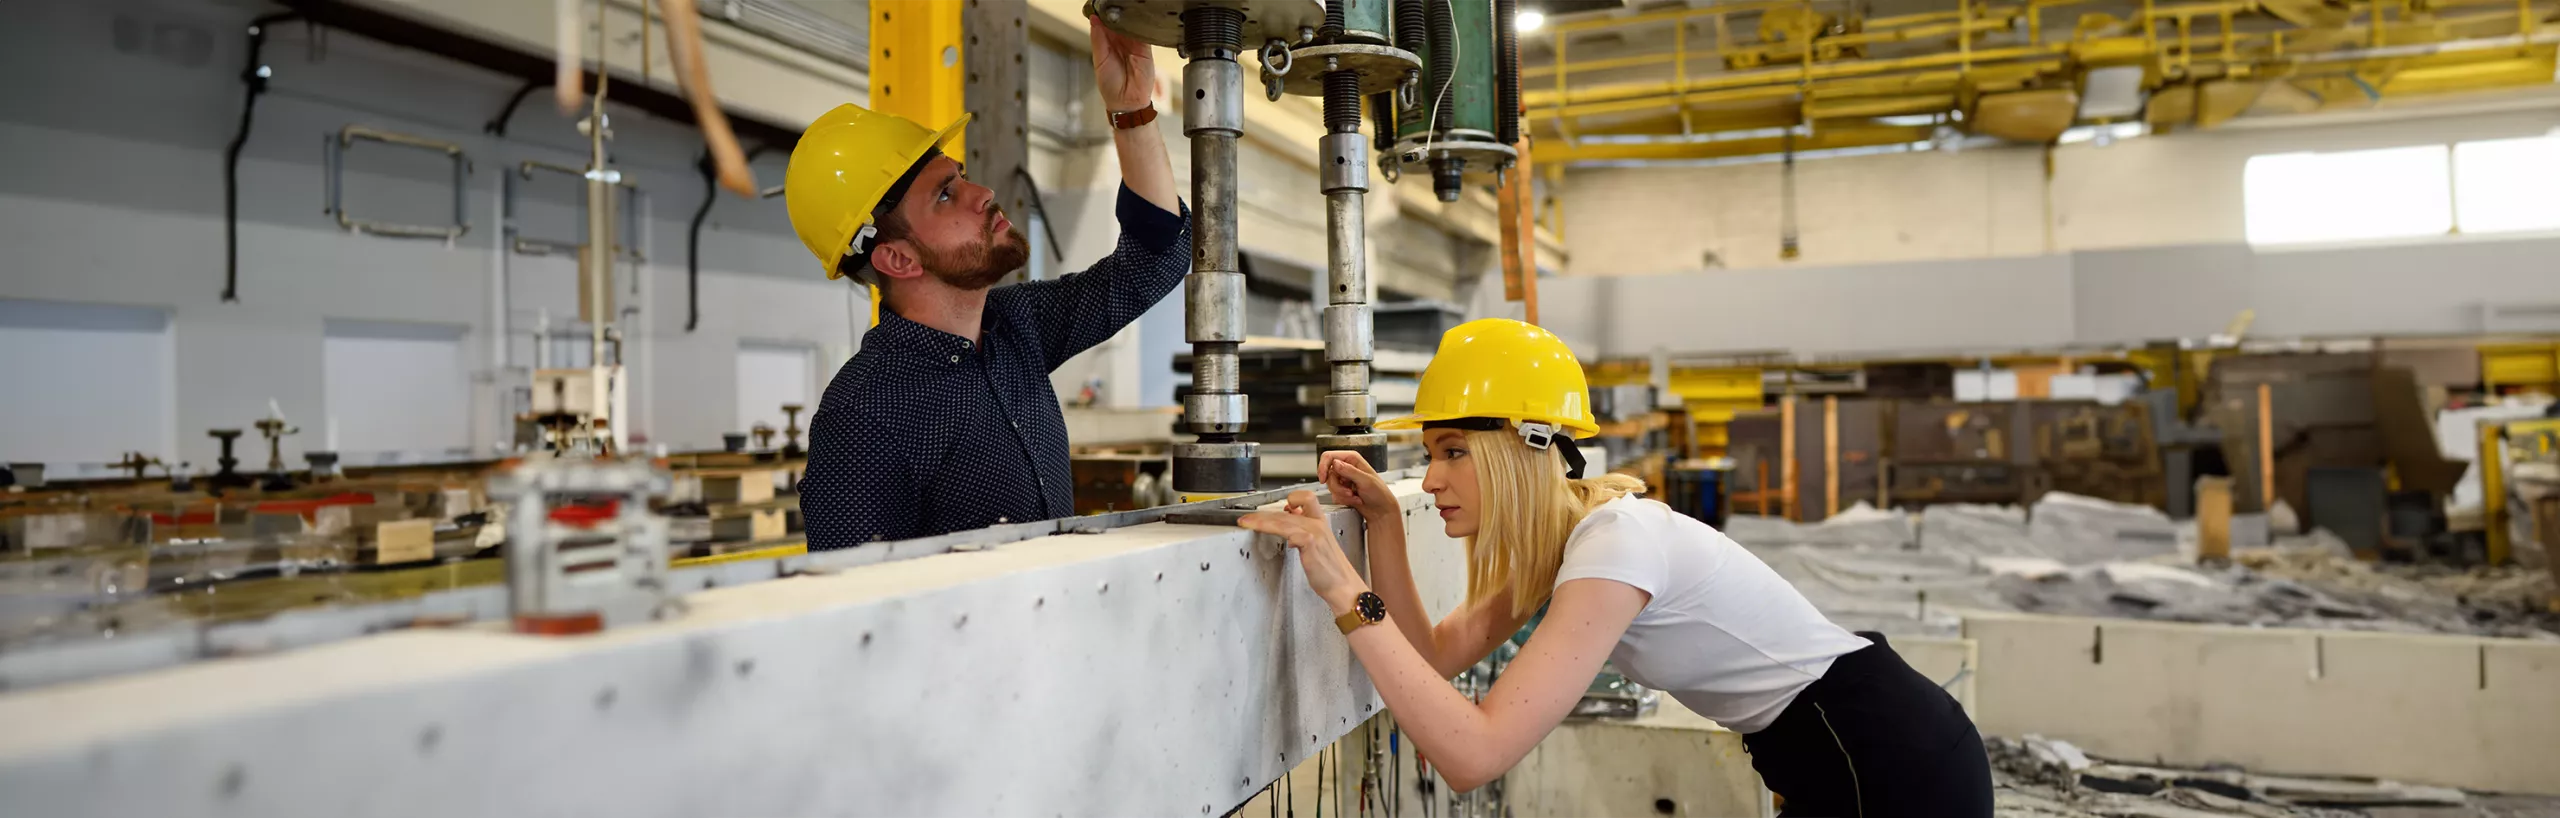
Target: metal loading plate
x=1159 y=22
x=1381 y=68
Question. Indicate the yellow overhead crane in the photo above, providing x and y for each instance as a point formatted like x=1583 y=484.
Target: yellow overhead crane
x=2507 y=451
x=1768 y=76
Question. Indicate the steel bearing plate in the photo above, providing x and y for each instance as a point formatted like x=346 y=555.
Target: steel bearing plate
x=1159 y=22
x=1484 y=156
x=1381 y=68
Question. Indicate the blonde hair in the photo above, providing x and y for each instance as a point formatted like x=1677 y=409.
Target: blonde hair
x=1526 y=509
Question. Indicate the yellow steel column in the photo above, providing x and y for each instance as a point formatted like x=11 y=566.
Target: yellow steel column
x=2230 y=45
x=1964 y=34
x=915 y=69
x=915 y=62
x=2493 y=489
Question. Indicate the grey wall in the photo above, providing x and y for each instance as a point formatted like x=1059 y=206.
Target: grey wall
x=112 y=194
x=2434 y=287
x=1925 y=305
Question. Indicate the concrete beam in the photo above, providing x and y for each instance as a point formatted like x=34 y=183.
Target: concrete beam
x=2454 y=711
x=1156 y=669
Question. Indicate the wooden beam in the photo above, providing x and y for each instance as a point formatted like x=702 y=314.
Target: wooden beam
x=2266 y=449
x=1787 y=446
x=1830 y=456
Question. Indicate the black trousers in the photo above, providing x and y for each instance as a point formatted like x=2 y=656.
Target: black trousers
x=1873 y=738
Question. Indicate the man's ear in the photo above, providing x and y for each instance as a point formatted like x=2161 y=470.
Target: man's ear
x=896 y=258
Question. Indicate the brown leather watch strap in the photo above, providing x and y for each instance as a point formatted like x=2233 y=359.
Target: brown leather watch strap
x=1132 y=119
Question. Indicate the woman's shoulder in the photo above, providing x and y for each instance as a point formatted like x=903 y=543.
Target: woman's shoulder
x=1622 y=515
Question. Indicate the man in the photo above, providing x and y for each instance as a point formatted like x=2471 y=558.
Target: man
x=945 y=421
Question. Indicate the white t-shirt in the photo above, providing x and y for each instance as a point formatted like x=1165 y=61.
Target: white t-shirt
x=1723 y=634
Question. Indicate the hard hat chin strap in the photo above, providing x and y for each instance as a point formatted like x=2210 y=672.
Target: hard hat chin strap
x=861 y=240
x=1537 y=435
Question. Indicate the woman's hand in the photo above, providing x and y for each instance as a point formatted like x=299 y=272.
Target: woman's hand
x=1329 y=572
x=1354 y=483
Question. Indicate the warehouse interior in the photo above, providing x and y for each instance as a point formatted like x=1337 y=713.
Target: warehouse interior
x=2172 y=381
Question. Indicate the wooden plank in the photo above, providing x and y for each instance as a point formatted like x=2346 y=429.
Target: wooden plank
x=400 y=541
x=2213 y=519
x=745 y=486
x=2266 y=447
x=754 y=527
x=1787 y=449
x=1830 y=456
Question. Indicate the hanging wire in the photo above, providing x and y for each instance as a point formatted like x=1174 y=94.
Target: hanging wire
x=1321 y=755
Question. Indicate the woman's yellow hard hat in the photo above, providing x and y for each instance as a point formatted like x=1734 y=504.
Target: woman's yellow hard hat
x=845 y=165
x=1506 y=369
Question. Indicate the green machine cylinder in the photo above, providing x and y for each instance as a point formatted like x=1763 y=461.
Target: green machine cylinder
x=1464 y=117
x=1355 y=21
x=1458 y=76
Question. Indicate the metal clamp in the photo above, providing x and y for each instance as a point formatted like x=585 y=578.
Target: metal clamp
x=1276 y=61
x=333 y=155
x=609 y=571
x=536 y=246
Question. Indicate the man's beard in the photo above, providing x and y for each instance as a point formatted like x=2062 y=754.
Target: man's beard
x=981 y=265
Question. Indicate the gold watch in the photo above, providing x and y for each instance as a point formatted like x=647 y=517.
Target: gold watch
x=1366 y=609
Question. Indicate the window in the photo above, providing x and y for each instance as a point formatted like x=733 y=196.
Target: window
x=393 y=390
x=86 y=383
x=770 y=375
x=2488 y=186
x=2503 y=185
x=2293 y=198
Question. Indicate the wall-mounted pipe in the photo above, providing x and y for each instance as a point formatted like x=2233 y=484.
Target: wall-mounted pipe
x=254 y=75
x=693 y=241
x=498 y=125
x=693 y=235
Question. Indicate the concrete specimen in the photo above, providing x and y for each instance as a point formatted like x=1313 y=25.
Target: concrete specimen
x=1155 y=669
x=2455 y=711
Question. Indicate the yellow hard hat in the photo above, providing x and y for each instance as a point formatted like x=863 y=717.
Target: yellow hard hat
x=1505 y=369
x=845 y=164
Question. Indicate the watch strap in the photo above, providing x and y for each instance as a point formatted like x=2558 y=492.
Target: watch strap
x=1130 y=119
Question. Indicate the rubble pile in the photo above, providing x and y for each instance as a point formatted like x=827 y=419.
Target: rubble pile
x=2037 y=777
x=2077 y=556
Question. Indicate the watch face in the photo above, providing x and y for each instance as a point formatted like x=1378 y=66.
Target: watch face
x=1371 y=607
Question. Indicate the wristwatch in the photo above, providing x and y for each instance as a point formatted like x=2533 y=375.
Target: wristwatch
x=1132 y=119
x=1366 y=609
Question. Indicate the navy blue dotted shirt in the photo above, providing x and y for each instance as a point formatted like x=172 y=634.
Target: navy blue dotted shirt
x=927 y=433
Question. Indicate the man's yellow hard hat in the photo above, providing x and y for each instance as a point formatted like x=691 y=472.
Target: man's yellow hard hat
x=1506 y=369
x=845 y=165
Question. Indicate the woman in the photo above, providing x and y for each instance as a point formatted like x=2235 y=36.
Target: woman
x=1836 y=723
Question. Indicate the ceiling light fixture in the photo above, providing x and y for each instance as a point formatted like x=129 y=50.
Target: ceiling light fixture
x=1528 y=20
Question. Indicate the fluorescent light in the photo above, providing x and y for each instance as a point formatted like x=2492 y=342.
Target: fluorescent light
x=2102 y=135
x=1528 y=20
